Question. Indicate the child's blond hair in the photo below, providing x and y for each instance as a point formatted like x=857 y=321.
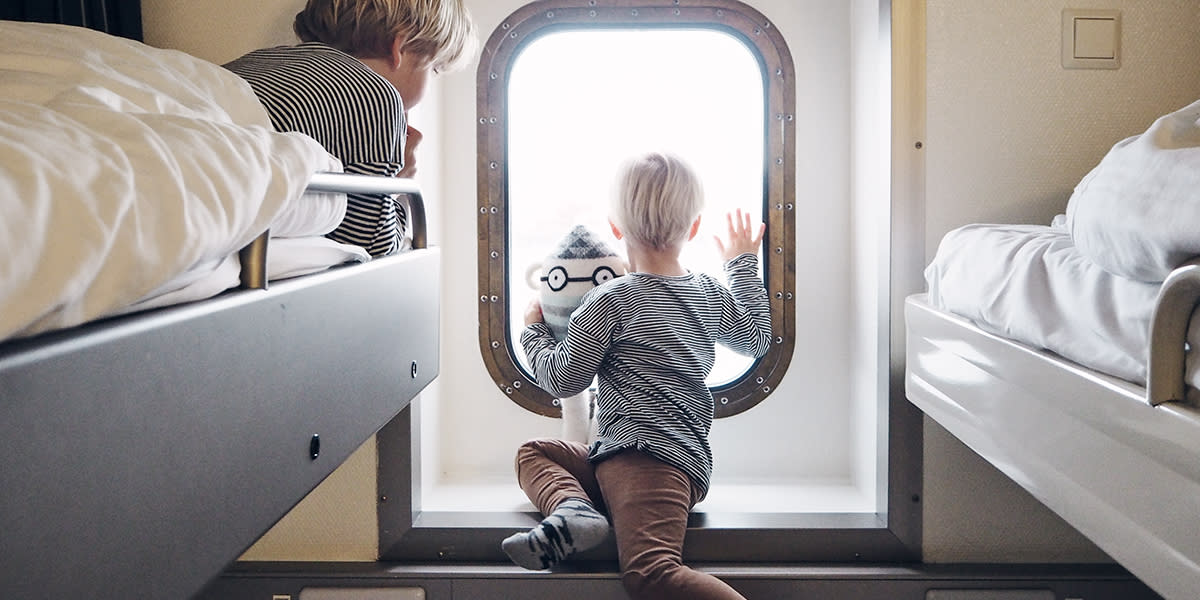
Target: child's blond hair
x=657 y=198
x=441 y=30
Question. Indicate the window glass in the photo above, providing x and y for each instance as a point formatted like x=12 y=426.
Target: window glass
x=580 y=101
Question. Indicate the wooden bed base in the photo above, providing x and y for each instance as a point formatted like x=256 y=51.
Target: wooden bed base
x=142 y=454
x=1123 y=471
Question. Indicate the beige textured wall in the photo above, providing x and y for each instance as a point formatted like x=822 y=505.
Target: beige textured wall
x=336 y=522
x=1009 y=134
x=1010 y=131
x=219 y=30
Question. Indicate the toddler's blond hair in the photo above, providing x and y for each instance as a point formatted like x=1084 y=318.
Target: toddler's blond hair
x=657 y=197
x=441 y=30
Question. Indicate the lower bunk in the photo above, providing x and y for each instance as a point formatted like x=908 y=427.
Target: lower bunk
x=1121 y=468
x=143 y=453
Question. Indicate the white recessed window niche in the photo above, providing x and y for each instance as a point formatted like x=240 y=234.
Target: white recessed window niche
x=566 y=89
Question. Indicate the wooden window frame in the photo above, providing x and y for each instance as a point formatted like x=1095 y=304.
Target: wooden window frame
x=778 y=203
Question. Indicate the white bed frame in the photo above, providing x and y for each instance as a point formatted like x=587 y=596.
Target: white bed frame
x=1119 y=462
x=142 y=454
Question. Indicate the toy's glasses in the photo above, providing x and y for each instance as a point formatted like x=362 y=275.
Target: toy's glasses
x=557 y=278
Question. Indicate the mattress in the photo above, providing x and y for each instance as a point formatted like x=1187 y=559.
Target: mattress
x=1031 y=284
x=131 y=176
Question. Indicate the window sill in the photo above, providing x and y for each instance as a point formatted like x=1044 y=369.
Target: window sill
x=723 y=498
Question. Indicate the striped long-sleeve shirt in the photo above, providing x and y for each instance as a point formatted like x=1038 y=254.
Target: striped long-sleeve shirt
x=349 y=109
x=651 y=340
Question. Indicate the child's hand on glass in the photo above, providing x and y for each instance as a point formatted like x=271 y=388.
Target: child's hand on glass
x=741 y=238
x=533 y=313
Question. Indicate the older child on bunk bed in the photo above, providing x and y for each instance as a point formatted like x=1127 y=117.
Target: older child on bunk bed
x=360 y=66
x=650 y=337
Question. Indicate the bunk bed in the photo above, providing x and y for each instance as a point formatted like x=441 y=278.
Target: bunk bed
x=167 y=396
x=1064 y=354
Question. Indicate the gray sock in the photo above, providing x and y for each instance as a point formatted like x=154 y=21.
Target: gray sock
x=573 y=527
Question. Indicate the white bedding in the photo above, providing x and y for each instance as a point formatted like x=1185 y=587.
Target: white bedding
x=130 y=176
x=1031 y=284
x=1135 y=214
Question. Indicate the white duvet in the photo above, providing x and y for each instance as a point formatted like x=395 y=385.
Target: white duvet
x=1031 y=284
x=126 y=170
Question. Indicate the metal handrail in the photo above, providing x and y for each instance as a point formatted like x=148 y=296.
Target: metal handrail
x=1167 y=356
x=254 y=256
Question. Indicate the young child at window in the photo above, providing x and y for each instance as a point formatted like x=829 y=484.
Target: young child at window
x=650 y=337
x=360 y=66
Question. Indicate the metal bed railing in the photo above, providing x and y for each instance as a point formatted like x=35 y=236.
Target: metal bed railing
x=254 y=256
x=1167 y=357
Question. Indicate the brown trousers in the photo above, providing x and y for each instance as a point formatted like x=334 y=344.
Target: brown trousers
x=647 y=502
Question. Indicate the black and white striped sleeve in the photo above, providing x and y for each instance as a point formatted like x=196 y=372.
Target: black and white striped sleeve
x=566 y=368
x=746 y=311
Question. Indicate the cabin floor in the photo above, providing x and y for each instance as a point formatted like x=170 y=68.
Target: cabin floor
x=598 y=581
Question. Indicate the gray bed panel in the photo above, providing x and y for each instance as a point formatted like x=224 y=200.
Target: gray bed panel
x=142 y=454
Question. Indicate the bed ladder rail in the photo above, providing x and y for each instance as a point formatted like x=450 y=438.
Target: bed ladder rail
x=254 y=256
x=1177 y=299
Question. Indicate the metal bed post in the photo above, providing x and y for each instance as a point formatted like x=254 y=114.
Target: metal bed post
x=1166 y=368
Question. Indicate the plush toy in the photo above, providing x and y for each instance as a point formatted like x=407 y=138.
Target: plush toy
x=581 y=262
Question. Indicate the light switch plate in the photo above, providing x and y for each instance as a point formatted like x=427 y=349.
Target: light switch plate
x=1091 y=38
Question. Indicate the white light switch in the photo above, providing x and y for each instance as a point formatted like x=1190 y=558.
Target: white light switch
x=1095 y=38
x=1091 y=38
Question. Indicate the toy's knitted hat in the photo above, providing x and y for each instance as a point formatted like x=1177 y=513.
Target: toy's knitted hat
x=582 y=243
x=580 y=262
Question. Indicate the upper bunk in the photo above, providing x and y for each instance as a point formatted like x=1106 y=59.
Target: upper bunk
x=183 y=354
